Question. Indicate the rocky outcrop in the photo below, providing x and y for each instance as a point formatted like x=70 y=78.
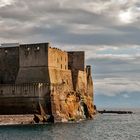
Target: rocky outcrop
x=71 y=106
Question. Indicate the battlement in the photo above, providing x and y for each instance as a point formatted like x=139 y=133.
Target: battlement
x=42 y=54
x=32 y=62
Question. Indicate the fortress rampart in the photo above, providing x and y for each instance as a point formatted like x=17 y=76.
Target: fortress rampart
x=39 y=79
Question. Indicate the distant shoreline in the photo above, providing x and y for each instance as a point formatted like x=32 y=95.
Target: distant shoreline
x=115 y=112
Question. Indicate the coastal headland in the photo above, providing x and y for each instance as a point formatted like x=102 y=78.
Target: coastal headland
x=50 y=84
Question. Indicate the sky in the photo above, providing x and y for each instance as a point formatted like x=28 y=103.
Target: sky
x=107 y=30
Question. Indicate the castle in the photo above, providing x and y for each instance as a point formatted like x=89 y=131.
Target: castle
x=38 y=79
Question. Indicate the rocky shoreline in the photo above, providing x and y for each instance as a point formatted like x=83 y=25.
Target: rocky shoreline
x=27 y=119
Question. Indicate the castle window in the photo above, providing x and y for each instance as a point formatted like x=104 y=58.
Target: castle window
x=6 y=51
x=61 y=66
x=37 y=48
x=28 y=49
x=61 y=58
x=65 y=67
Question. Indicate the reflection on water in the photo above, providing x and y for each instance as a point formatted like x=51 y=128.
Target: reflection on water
x=103 y=127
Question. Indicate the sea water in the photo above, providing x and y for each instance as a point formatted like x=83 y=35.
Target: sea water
x=103 y=127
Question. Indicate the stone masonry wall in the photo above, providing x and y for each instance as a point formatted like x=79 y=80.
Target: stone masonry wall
x=36 y=60
x=9 y=64
x=33 y=63
x=76 y=60
x=57 y=59
x=24 y=98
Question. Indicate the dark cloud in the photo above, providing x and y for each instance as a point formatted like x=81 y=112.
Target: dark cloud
x=31 y=18
x=107 y=30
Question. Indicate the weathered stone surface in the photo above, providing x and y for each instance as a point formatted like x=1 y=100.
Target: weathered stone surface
x=72 y=105
x=72 y=108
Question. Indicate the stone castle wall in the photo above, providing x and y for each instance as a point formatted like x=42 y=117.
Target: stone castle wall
x=64 y=87
x=33 y=63
x=37 y=60
x=76 y=60
x=57 y=59
x=24 y=98
x=9 y=65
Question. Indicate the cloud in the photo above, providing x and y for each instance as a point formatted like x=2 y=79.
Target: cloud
x=125 y=95
x=107 y=30
x=91 y=22
x=6 y=2
x=115 y=86
x=112 y=52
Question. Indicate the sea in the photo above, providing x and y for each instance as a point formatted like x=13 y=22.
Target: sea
x=102 y=127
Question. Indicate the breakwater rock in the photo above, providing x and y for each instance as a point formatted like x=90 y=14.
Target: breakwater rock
x=115 y=112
